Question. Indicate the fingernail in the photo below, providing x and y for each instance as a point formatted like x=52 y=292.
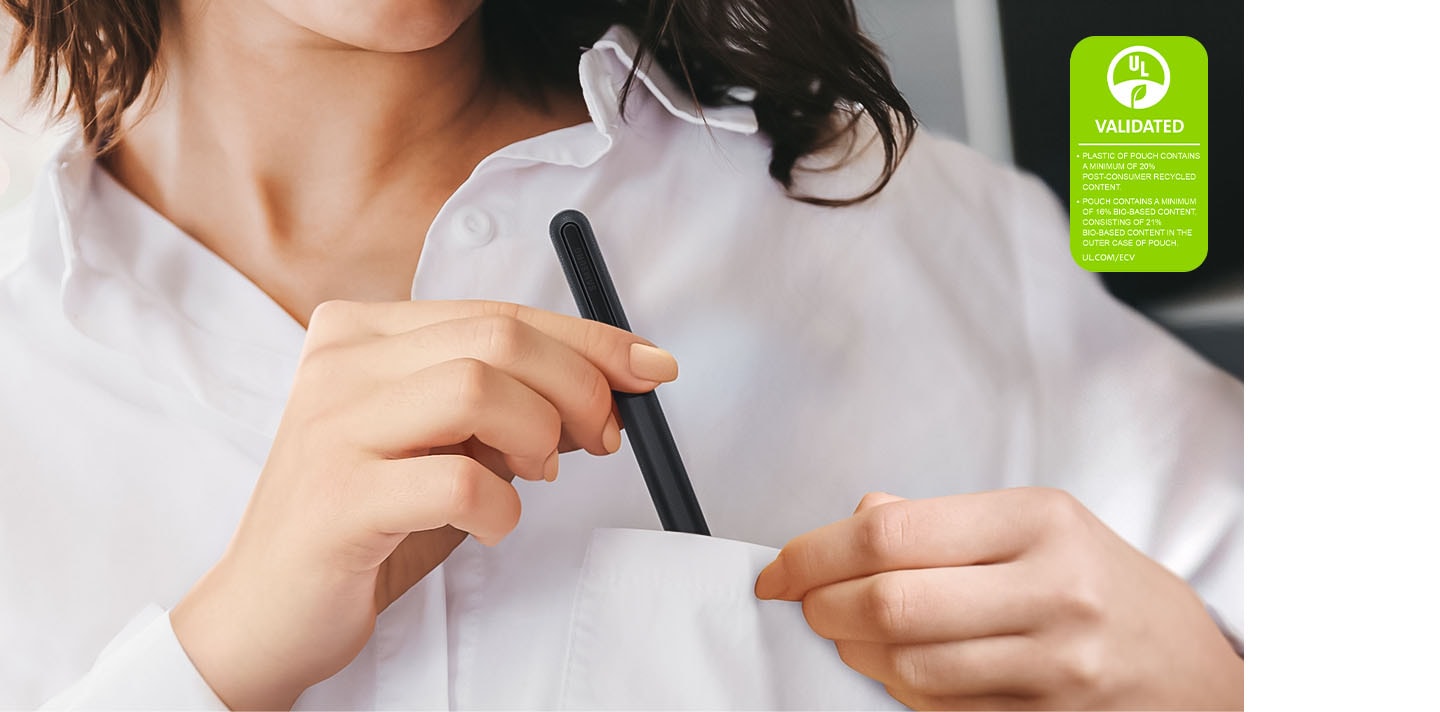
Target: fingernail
x=652 y=364
x=552 y=466
x=771 y=582
x=611 y=436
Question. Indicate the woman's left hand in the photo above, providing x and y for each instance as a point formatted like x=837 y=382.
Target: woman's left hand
x=1015 y=599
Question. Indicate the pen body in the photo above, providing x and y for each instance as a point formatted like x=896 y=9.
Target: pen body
x=645 y=424
x=655 y=450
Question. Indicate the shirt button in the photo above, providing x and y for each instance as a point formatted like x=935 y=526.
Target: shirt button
x=475 y=227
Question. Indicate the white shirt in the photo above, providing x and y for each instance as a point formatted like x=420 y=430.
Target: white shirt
x=937 y=339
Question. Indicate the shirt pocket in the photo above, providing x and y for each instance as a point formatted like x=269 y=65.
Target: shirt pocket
x=670 y=621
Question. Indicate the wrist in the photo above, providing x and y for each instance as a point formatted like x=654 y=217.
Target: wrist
x=215 y=635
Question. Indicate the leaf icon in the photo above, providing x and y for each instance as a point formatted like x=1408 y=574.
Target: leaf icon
x=1137 y=94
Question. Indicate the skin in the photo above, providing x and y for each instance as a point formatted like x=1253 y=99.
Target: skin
x=1014 y=599
x=310 y=143
x=406 y=425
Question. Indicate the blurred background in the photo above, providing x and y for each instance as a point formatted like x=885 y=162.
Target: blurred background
x=25 y=141
x=992 y=73
x=995 y=74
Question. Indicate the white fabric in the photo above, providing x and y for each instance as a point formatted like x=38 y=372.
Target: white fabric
x=935 y=340
x=670 y=621
x=144 y=668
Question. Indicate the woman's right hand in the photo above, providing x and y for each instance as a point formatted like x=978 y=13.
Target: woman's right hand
x=405 y=424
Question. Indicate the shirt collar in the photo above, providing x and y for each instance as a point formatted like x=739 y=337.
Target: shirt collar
x=163 y=299
x=599 y=81
x=604 y=69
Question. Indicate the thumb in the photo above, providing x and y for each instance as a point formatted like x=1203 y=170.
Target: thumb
x=875 y=499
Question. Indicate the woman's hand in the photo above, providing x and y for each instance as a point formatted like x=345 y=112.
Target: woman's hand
x=405 y=425
x=1016 y=599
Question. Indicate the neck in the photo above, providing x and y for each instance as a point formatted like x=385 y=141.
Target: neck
x=312 y=166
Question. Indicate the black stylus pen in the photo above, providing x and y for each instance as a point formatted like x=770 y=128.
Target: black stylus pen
x=644 y=420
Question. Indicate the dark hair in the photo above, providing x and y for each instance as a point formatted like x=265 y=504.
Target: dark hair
x=805 y=67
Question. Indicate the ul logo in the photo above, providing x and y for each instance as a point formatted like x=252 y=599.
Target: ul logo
x=1138 y=77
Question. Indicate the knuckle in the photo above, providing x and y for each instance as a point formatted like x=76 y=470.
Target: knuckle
x=1079 y=601
x=328 y=315
x=500 y=339
x=508 y=310
x=1055 y=510
x=888 y=605
x=598 y=343
x=466 y=486
x=1081 y=667
x=597 y=394
x=472 y=382
x=1060 y=504
x=550 y=429
x=884 y=532
x=814 y=609
x=870 y=500
x=909 y=666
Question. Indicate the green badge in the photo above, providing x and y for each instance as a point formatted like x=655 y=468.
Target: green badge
x=1139 y=154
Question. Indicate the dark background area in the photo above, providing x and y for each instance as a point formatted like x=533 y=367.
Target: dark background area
x=1038 y=35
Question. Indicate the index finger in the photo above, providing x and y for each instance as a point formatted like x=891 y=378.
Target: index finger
x=614 y=351
x=959 y=530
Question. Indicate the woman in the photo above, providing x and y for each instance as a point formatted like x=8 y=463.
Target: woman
x=265 y=367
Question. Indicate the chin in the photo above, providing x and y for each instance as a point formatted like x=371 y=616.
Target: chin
x=382 y=25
